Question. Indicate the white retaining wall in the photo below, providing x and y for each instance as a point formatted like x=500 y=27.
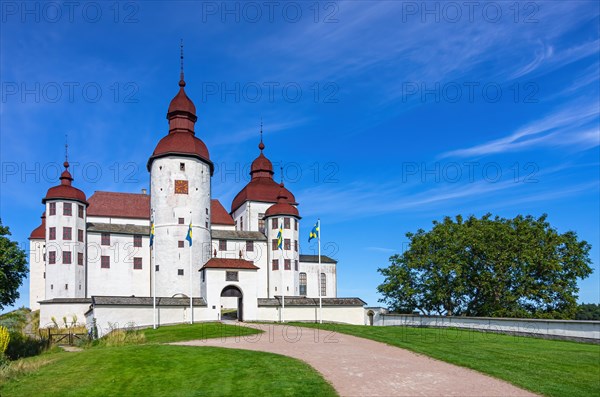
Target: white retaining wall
x=566 y=329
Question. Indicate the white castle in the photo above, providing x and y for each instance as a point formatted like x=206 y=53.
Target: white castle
x=92 y=257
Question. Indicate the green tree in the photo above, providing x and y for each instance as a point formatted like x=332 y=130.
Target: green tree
x=486 y=266
x=588 y=311
x=13 y=268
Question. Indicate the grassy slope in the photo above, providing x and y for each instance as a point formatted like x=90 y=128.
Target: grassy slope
x=159 y=370
x=549 y=367
x=177 y=333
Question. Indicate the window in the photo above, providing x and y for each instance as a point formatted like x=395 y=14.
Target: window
x=52 y=257
x=66 y=233
x=180 y=272
x=275 y=264
x=249 y=246
x=296 y=265
x=181 y=187
x=80 y=210
x=105 y=262
x=66 y=286
x=231 y=276
x=302 y=284
x=137 y=240
x=274 y=223
x=52 y=233
x=286 y=223
x=52 y=208
x=181 y=221
x=80 y=258
x=181 y=166
x=261 y=222
x=287 y=264
x=241 y=223
x=67 y=257
x=105 y=239
x=274 y=244
x=296 y=245
x=222 y=245
x=287 y=244
x=202 y=276
x=295 y=224
x=206 y=209
x=180 y=244
x=67 y=209
x=137 y=263
x=80 y=235
x=323 y=284
x=206 y=224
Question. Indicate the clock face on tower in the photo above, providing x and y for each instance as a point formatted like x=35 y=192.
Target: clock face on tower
x=181 y=187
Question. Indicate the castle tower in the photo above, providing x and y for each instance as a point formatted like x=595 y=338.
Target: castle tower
x=284 y=262
x=180 y=193
x=65 y=240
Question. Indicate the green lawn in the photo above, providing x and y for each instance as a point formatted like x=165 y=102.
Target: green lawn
x=152 y=369
x=182 y=332
x=549 y=367
x=162 y=370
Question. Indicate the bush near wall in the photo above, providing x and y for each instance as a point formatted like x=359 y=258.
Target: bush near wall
x=21 y=346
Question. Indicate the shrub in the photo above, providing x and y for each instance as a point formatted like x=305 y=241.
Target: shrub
x=4 y=339
x=21 y=346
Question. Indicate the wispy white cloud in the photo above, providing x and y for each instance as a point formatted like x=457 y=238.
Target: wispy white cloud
x=567 y=126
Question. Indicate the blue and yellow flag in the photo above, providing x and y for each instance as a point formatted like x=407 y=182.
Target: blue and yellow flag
x=280 y=238
x=151 y=233
x=189 y=234
x=314 y=233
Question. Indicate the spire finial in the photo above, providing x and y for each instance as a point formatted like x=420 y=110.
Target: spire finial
x=261 y=145
x=281 y=171
x=66 y=164
x=181 y=80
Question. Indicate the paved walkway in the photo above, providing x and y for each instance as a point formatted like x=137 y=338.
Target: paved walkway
x=362 y=367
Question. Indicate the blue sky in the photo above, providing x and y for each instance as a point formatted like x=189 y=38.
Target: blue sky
x=384 y=115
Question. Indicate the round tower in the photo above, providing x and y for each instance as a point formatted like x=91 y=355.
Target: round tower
x=180 y=192
x=284 y=261
x=65 y=253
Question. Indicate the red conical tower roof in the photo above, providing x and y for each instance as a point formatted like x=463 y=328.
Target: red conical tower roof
x=65 y=190
x=181 y=139
x=261 y=187
x=282 y=207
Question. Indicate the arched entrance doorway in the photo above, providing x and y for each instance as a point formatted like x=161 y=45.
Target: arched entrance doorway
x=229 y=293
x=370 y=313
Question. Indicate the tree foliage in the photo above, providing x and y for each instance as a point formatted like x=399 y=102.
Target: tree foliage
x=496 y=267
x=13 y=268
x=588 y=311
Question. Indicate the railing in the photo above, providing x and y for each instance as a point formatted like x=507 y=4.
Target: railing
x=63 y=336
x=588 y=331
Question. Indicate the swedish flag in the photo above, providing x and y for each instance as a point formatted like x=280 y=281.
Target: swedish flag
x=314 y=233
x=151 y=233
x=280 y=238
x=189 y=234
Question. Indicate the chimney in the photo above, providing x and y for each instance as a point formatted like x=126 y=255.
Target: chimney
x=144 y=191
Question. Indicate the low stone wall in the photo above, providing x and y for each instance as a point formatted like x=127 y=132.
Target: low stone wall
x=587 y=331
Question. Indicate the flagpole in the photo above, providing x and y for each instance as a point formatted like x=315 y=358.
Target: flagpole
x=153 y=272
x=320 y=281
x=191 y=278
x=281 y=267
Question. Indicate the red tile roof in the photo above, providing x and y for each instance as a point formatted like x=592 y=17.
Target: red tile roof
x=219 y=215
x=40 y=231
x=119 y=205
x=225 y=263
x=260 y=189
